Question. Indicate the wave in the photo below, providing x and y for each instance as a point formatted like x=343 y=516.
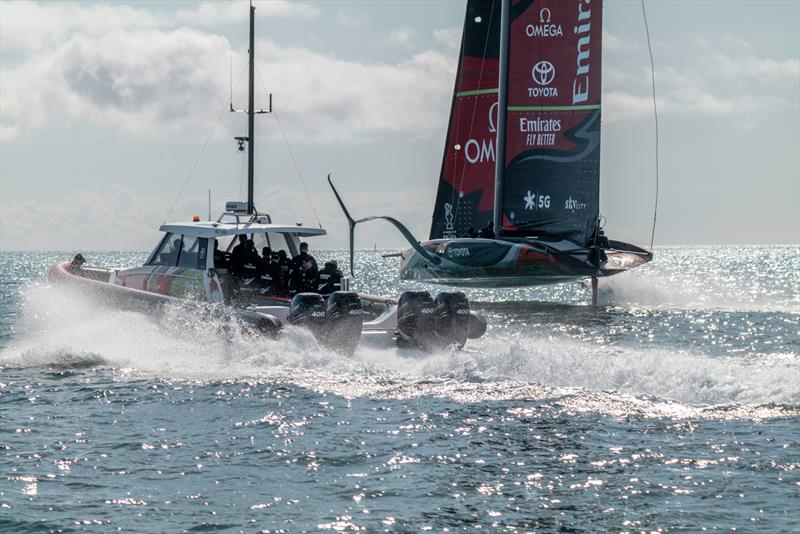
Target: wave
x=664 y=291
x=60 y=329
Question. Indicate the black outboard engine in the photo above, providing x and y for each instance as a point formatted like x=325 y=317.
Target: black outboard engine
x=415 y=320
x=343 y=321
x=451 y=318
x=308 y=310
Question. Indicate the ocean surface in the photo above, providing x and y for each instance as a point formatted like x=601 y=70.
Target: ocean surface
x=672 y=407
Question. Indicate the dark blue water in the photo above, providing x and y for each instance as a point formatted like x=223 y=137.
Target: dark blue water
x=673 y=407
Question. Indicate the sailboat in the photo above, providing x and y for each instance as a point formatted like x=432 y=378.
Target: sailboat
x=522 y=155
x=194 y=265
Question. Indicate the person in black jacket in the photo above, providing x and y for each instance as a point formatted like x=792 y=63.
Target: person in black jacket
x=285 y=265
x=329 y=278
x=472 y=233
x=303 y=256
x=487 y=232
x=270 y=274
x=304 y=277
x=238 y=255
x=251 y=261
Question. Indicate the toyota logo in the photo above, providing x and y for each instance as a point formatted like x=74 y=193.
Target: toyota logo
x=543 y=73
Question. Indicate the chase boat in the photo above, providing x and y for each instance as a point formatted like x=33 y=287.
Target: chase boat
x=182 y=271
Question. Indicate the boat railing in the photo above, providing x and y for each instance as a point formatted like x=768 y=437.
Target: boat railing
x=257 y=217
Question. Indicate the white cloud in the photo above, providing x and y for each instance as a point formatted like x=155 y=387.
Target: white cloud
x=353 y=20
x=620 y=106
x=141 y=81
x=207 y=13
x=402 y=36
x=31 y=26
x=758 y=69
x=332 y=100
x=614 y=42
x=129 y=221
x=713 y=84
x=159 y=82
x=26 y=25
x=449 y=37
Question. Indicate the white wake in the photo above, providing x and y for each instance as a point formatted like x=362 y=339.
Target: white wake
x=60 y=328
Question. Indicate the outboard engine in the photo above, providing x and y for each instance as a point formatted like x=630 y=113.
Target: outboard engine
x=343 y=321
x=451 y=318
x=415 y=320
x=308 y=310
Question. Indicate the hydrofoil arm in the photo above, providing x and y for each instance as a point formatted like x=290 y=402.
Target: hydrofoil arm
x=397 y=224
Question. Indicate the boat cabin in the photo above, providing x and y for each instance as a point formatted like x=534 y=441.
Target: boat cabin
x=191 y=260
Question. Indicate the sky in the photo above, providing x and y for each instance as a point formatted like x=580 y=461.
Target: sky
x=107 y=109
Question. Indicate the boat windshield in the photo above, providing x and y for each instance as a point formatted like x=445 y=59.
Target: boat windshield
x=274 y=240
x=181 y=251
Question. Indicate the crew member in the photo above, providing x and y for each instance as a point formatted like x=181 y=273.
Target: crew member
x=329 y=278
x=303 y=277
x=285 y=265
x=237 y=254
x=472 y=233
x=487 y=232
x=270 y=273
x=77 y=262
x=251 y=261
x=303 y=256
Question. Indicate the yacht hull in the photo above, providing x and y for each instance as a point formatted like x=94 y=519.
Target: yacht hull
x=498 y=263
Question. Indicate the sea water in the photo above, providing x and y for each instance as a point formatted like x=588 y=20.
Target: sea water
x=673 y=406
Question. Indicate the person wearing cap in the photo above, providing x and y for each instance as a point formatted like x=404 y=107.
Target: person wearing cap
x=329 y=278
x=303 y=256
x=303 y=278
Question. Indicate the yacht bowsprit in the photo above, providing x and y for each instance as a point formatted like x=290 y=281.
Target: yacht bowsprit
x=194 y=265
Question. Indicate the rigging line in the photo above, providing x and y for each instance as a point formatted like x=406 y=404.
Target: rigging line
x=196 y=161
x=200 y=155
x=291 y=154
x=655 y=115
x=297 y=168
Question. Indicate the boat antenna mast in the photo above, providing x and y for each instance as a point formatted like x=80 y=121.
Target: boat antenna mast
x=251 y=112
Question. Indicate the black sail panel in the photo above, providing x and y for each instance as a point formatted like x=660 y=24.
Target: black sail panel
x=551 y=184
x=465 y=196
